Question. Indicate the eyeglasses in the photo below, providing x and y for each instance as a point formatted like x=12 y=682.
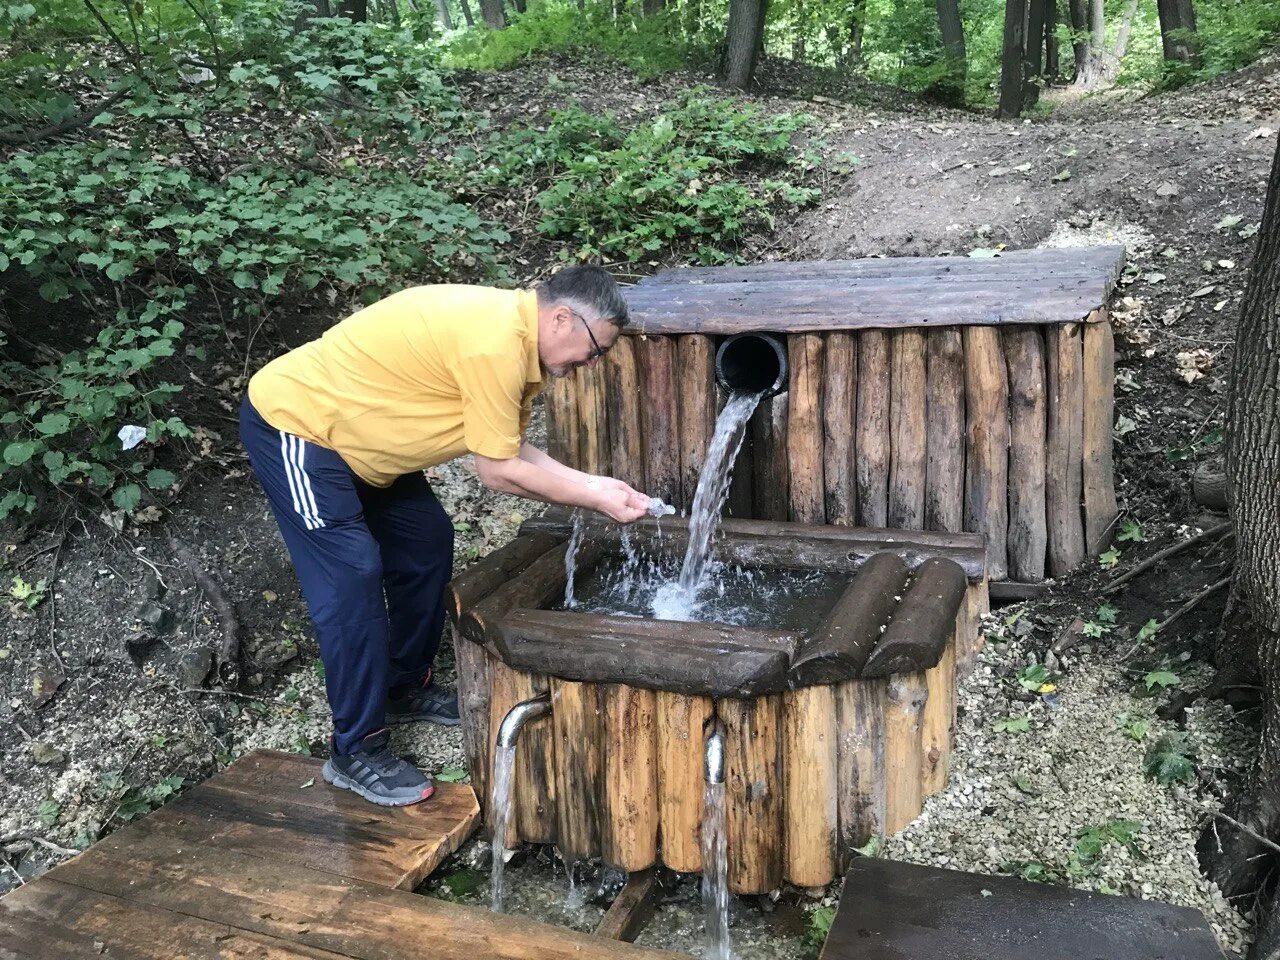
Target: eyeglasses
x=598 y=352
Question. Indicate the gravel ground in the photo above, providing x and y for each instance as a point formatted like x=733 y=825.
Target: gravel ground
x=1020 y=802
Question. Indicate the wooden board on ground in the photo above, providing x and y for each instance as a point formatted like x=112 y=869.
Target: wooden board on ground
x=632 y=907
x=302 y=913
x=891 y=910
x=277 y=805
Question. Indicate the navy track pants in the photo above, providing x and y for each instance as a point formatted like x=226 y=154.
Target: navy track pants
x=373 y=563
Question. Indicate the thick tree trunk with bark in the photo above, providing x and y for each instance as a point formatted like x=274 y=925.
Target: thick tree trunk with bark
x=494 y=16
x=1012 y=81
x=742 y=44
x=1051 y=68
x=357 y=10
x=446 y=18
x=1236 y=860
x=857 y=27
x=952 y=28
x=1079 y=10
x=466 y=12
x=1035 y=37
x=1178 y=31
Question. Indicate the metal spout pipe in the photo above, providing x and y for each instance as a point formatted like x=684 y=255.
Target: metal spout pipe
x=752 y=363
x=713 y=765
x=519 y=715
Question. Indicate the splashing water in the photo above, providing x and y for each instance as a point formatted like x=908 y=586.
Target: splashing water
x=576 y=898
x=715 y=886
x=571 y=559
x=503 y=768
x=676 y=600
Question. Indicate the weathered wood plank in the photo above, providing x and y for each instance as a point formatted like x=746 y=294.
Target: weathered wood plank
x=860 y=775
x=809 y=773
x=1100 y=261
x=315 y=911
x=563 y=436
x=1100 y=509
x=696 y=374
x=623 y=402
x=944 y=444
x=839 y=404
x=629 y=826
x=471 y=662
x=1028 y=530
x=682 y=726
x=922 y=623
x=535 y=789
x=817 y=306
x=771 y=481
x=986 y=506
x=804 y=429
x=905 y=699
x=578 y=727
x=660 y=417
x=539 y=584
x=632 y=907
x=890 y=909
x=873 y=430
x=937 y=727
x=907 y=427
x=490 y=572
x=1064 y=444
x=753 y=792
x=698 y=659
x=593 y=422
x=841 y=644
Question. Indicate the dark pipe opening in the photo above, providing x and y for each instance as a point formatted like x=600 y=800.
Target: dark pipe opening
x=752 y=363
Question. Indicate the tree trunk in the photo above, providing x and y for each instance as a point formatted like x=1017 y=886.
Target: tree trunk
x=742 y=44
x=1236 y=860
x=393 y=7
x=494 y=16
x=357 y=10
x=466 y=13
x=1178 y=31
x=857 y=27
x=798 y=40
x=1051 y=68
x=1095 y=64
x=952 y=28
x=1080 y=41
x=446 y=18
x=1035 y=37
x=653 y=6
x=520 y=6
x=1011 y=79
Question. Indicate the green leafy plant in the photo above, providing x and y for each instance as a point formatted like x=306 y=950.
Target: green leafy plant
x=1130 y=531
x=1012 y=725
x=1093 y=840
x=819 y=925
x=1161 y=679
x=30 y=595
x=1035 y=678
x=1109 y=558
x=48 y=812
x=1170 y=759
x=451 y=775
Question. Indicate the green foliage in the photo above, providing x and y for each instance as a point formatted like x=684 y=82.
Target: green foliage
x=1012 y=725
x=648 y=46
x=131 y=802
x=1093 y=840
x=819 y=925
x=30 y=595
x=48 y=812
x=1161 y=679
x=1170 y=759
x=671 y=183
x=1035 y=678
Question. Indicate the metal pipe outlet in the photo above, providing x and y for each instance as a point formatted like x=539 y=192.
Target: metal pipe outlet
x=752 y=363
x=519 y=715
x=714 y=759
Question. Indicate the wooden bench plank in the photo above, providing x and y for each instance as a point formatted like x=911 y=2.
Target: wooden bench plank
x=891 y=910
x=922 y=622
x=260 y=807
x=48 y=919
x=350 y=918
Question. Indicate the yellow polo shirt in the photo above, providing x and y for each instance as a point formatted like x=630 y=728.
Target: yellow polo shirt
x=423 y=376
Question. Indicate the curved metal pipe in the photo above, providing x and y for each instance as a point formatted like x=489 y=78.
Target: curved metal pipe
x=713 y=765
x=752 y=363
x=519 y=715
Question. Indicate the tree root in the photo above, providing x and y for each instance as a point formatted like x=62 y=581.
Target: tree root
x=228 y=652
x=1164 y=554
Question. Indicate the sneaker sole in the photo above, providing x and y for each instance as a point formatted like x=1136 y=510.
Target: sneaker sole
x=398 y=718
x=336 y=779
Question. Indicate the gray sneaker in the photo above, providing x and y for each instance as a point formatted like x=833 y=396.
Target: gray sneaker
x=377 y=774
x=432 y=702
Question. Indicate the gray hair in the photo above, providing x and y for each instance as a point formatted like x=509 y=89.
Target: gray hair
x=589 y=290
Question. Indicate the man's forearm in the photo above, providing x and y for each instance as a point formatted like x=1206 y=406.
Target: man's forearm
x=523 y=478
x=540 y=458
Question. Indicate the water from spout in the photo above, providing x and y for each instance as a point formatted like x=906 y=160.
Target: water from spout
x=503 y=770
x=715 y=886
x=676 y=600
x=571 y=559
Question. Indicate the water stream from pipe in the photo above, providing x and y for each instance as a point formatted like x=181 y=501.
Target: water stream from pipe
x=676 y=601
x=503 y=770
x=715 y=885
x=571 y=559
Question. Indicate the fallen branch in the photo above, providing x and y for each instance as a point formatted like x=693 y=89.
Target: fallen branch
x=1194 y=602
x=228 y=653
x=66 y=125
x=1164 y=554
x=1269 y=844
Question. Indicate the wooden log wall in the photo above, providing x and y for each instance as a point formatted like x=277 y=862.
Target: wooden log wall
x=1000 y=430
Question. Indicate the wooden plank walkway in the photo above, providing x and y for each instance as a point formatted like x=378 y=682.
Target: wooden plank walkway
x=900 y=911
x=266 y=861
